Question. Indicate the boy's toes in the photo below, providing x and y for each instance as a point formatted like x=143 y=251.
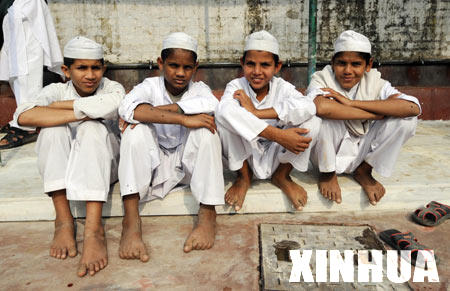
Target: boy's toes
x=91 y=269
x=372 y=198
x=72 y=252
x=82 y=269
x=144 y=257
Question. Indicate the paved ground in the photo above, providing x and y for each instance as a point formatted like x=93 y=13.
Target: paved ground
x=232 y=264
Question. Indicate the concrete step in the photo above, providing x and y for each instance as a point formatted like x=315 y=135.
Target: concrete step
x=421 y=175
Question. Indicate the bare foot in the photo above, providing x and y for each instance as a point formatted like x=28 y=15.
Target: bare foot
x=64 y=243
x=236 y=193
x=204 y=233
x=374 y=190
x=329 y=186
x=293 y=191
x=131 y=244
x=95 y=255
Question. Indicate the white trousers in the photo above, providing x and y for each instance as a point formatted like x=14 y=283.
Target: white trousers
x=80 y=157
x=264 y=156
x=153 y=171
x=338 y=151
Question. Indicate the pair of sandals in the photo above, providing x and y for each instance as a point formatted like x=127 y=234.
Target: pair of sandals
x=16 y=137
x=433 y=214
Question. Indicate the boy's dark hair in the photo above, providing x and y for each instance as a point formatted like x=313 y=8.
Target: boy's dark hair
x=165 y=53
x=365 y=56
x=69 y=61
x=276 y=58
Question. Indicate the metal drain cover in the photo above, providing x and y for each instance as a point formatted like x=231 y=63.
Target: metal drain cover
x=277 y=239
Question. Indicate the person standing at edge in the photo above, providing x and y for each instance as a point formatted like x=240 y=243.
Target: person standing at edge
x=30 y=43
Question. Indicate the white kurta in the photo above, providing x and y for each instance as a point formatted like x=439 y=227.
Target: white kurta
x=239 y=129
x=338 y=150
x=81 y=157
x=30 y=43
x=155 y=158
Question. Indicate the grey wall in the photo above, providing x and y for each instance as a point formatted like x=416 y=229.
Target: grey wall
x=132 y=30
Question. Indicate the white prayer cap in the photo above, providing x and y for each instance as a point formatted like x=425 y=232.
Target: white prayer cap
x=351 y=41
x=180 y=40
x=81 y=47
x=261 y=41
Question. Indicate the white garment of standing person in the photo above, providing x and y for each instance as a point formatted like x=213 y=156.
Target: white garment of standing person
x=155 y=158
x=81 y=157
x=30 y=43
x=239 y=129
x=337 y=150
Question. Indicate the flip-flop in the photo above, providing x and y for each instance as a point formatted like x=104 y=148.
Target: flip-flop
x=405 y=241
x=431 y=215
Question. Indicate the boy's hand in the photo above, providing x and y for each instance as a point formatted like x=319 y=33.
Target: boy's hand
x=198 y=121
x=319 y=99
x=123 y=125
x=337 y=96
x=293 y=140
x=245 y=100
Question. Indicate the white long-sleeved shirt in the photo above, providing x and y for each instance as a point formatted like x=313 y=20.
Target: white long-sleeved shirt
x=103 y=104
x=197 y=99
x=291 y=106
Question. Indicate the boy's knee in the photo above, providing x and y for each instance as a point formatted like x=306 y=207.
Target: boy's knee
x=53 y=133
x=204 y=135
x=140 y=136
x=409 y=124
x=91 y=127
x=406 y=126
x=92 y=131
x=313 y=125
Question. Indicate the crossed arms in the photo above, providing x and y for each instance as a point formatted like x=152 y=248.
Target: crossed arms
x=335 y=106
x=291 y=138
x=57 y=113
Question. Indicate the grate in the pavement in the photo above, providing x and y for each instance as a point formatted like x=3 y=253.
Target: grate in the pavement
x=277 y=239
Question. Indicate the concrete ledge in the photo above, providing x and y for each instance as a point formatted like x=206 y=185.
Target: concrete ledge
x=421 y=175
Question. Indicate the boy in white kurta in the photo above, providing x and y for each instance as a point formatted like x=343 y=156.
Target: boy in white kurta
x=266 y=126
x=365 y=120
x=77 y=147
x=172 y=140
x=30 y=43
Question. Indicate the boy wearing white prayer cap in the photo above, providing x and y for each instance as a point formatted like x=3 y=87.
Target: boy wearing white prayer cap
x=77 y=147
x=170 y=139
x=266 y=126
x=365 y=120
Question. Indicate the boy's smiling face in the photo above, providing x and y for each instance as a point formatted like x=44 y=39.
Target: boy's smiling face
x=349 y=68
x=178 y=69
x=259 y=68
x=85 y=75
